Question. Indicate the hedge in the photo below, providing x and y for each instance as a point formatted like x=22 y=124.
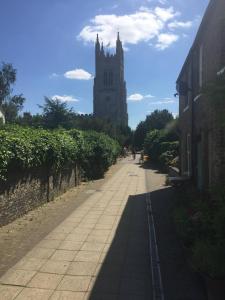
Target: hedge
x=160 y=146
x=26 y=148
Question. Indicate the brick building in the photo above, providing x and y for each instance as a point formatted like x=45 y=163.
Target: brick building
x=202 y=139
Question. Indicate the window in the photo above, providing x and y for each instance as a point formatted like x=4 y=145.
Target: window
x=108 y=78
x=105 y=79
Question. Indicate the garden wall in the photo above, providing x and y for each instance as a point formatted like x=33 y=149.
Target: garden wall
x=24 y=191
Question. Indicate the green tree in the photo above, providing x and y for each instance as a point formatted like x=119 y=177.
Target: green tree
x=7 y=78
x=159 y=119
x=11 y=105
x=140 y=134
x=56 y=114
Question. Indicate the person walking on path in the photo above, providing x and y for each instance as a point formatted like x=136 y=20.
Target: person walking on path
x=141 y=160
x=133 y=153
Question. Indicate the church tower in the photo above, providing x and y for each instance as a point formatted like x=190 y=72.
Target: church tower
x=109 y=85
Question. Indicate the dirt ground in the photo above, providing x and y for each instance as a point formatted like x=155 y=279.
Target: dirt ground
x=18 y=237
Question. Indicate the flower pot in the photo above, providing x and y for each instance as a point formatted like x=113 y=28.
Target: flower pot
x=215 y=288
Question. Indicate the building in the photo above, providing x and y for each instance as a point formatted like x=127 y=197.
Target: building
x=202 y=140
x=109 y=85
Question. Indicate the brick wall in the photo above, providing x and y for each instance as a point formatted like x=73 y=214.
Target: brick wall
x=200 y=118
x=25 y=191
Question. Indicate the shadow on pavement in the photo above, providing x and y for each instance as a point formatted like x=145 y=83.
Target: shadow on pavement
x=180 y=282
x=125 y=272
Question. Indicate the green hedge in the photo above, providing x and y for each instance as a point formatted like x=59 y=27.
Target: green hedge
x=26 y=148
x=160 y=146
x=99 y=151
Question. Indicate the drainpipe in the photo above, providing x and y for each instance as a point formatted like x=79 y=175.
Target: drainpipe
x=192 y=119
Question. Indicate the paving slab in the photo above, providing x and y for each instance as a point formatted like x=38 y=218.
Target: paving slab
x=63 y=255
x=100 y=251
x=34 y=294
x=65 y=295
x=8 y=292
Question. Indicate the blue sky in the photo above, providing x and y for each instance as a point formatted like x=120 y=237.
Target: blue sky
x=51 y=44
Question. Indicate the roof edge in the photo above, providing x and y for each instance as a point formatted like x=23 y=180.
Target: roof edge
x=202 y=24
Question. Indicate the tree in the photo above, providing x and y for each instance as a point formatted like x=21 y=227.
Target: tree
x=140 y=134
x=159 y=119
x=7 y=78
x=11 y=105
x=56 y=113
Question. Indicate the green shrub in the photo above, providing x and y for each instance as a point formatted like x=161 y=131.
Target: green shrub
x=160 y=147
x=25 y=148
x=208 y=258
x=167 y=157
x=200 y=224
x=98 y=153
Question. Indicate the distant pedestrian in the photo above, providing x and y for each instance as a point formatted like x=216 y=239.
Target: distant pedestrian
x=141 y=157
x=134 y=153
x=125 y=151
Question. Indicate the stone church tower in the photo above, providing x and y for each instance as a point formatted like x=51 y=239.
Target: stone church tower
x=109 y=85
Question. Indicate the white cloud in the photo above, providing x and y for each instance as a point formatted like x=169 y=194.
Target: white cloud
x=135 y=97
x=166 y=14
x=180 y=24
x=139 y=97
x=144 y=25
x=79 y=74
x=65 y=98
x=163 y=2
x=165 y=40
x=162 y=102
x=53 y=75
x=149 y=96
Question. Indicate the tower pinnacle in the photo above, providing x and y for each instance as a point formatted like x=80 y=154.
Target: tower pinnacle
x=102 y=48
x=119 y=48
x=97 y=45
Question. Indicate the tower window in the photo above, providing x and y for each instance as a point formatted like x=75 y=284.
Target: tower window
x=105 y=79
x=108 y=78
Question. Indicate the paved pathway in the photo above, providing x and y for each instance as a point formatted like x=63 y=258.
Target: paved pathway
x=99 y=252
